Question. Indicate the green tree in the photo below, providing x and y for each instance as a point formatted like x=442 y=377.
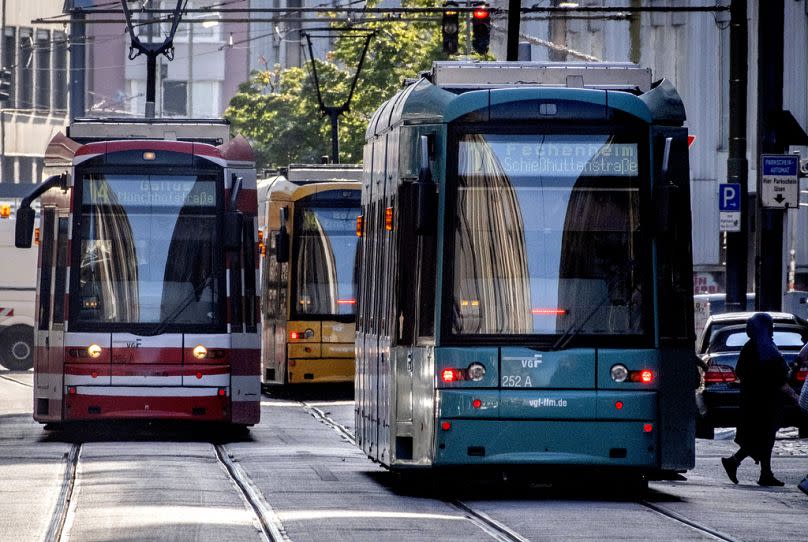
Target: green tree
x=278 y=111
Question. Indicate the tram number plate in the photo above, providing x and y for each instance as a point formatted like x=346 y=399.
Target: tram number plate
x=516 y=381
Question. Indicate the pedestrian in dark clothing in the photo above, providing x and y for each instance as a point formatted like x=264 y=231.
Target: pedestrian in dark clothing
x=802 y=363
x=763 y=374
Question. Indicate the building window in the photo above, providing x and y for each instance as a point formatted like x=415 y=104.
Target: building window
x=26 y=165
x=10 y=60
x=43 y=70
x=175 y=98
x=25 y=70
x=7 y=169
x=60 y=79
x=205 y=99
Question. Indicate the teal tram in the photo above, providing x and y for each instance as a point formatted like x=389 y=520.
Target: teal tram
x=525 y=293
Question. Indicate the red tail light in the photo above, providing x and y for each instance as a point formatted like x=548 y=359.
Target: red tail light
x=294 y=335
x=647 y=428
x=717 y=374
x=801 y=375
x=645 y=376
x=451 y=375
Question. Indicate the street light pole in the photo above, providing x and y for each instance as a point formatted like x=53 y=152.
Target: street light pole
x=737 y=164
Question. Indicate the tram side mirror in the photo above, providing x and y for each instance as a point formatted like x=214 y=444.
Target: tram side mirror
x=282 y=238
x=233 y=223
x=665 y=193
x=24 y=229
x=426 y=207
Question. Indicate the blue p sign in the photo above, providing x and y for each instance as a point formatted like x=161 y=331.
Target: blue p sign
x=729 y=197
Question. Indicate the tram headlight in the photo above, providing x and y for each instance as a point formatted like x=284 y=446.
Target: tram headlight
x=94 y=351
x=308 y=334
x=200 y=352
x=619 y=372
x=476 y=371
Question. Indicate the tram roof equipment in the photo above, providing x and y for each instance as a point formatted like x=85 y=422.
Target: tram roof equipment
x=466 y=75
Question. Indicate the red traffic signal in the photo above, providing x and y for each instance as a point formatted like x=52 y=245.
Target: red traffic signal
x=480 y=28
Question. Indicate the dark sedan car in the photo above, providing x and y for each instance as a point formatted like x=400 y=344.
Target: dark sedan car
x=720 y=345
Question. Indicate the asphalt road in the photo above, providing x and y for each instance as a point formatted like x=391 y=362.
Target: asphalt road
x=297 y=476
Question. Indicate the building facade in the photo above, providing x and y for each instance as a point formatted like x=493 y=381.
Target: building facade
x=209 y=63
x=692 y=50
x=36 y=56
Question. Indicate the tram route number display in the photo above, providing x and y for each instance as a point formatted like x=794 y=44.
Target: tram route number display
x=130 y=191
x=558 y=159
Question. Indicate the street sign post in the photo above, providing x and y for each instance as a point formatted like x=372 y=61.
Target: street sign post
x=729 y=207
x=779 y=181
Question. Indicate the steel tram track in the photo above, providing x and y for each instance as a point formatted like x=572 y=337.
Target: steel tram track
x=502 y=532
x=268 y=520
x=495 y=529
x=679 y=518
x=65 y=504
x=26 y=384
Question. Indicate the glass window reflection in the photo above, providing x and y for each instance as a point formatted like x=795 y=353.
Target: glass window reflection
x=546 y=237
x=325 y=261
x=147 y=252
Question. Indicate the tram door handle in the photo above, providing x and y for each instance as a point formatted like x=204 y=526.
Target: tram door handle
x=409 y=363
x=47 y=341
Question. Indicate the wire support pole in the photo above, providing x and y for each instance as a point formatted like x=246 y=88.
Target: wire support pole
x=152 y=51
x=333 y=112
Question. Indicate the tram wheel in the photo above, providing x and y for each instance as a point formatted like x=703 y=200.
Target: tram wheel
x=17 y=348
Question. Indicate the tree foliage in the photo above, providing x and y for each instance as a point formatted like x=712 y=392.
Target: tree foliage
x=279 y=113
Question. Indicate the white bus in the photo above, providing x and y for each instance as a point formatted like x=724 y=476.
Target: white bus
x=17 y=295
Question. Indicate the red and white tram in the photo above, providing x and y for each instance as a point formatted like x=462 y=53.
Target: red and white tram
x=146 y=290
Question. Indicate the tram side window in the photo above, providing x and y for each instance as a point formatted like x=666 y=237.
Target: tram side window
x=46 y=270
x=369 y=300
x=61 y=273
x=249 y=299
x=270 y=279
x=426 y=286
x=406 y=266
x=236 y=296
x=390 y=274
x=364 y=251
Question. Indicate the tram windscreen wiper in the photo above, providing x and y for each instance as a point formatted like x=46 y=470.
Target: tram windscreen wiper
x=575 y=330
x=193 y=295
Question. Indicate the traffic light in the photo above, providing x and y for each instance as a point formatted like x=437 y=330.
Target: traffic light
x=5 y=84
x=450 y=27
x=480 y=28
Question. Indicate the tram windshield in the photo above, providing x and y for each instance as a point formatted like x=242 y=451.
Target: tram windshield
x=547 y=236
x=324 y=261
x=147 y=250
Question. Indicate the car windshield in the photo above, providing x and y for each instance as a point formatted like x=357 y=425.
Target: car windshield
x=733 y=341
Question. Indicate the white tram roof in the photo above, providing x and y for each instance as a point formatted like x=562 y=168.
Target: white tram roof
x=212 y=131
x=470 y=75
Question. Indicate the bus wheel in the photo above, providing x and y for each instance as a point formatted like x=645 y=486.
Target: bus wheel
x=17 y=348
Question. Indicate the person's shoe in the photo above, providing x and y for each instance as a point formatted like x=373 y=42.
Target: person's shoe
x=731 y=467
x=769 y=480
x=803 y=486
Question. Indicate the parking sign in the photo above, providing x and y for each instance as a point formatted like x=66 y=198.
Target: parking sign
x=729 y=197
x=729 y=207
